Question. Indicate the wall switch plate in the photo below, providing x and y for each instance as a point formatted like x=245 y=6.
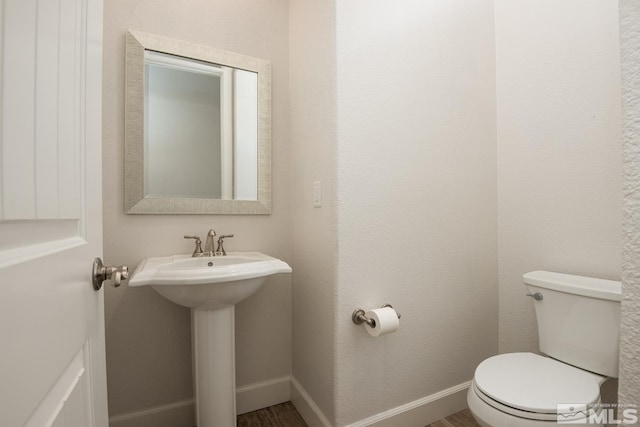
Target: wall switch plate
x=317 y=194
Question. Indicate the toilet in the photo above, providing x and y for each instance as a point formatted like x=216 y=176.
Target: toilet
x=578 y=331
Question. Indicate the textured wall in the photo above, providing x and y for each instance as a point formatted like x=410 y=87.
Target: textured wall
x=148 y=337
x=558 y=126
x=313 y=127
x=416 y=197
x=630 y=336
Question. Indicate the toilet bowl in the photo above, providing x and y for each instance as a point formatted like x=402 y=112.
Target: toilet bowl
x=578 y=321
x=525 y=389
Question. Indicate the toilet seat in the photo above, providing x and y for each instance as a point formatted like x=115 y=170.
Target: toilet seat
x=531 y=386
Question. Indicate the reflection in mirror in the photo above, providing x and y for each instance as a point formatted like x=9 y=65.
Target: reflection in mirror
x=197 y=129
x=191 y=111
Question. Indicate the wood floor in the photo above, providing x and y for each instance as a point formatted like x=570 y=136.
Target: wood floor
x=285 y=415
x=459 y=419
x=282 y=415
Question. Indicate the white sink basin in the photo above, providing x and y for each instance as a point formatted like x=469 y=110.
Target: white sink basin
x=210 y=286
x=207 y=283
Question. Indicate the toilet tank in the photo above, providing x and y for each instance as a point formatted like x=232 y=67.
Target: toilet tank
x=578 y=319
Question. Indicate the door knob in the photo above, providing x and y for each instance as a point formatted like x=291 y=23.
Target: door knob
x=100 y=273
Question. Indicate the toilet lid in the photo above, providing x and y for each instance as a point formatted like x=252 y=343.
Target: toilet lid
x=535 y=383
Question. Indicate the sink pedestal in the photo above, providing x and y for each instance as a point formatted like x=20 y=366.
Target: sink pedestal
x=210 y=286
x=214 y=367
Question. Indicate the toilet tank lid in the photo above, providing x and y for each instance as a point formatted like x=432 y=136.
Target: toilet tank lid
x=578 y=285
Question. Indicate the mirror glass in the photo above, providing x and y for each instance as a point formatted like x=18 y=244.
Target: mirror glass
x=200 y=136
x=197 y=129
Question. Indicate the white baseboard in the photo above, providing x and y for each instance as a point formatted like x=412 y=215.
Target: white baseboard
x=171 y=415
x=423 y=411
x=307 y=408
x=260 y=395
x=418 y=413
x=263 y=394
x=248 y=398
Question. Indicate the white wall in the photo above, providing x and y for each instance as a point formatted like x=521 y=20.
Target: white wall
x=148 y=337
x=630 y=335
x=416 y=198
x=559 y=161
x=313 y=141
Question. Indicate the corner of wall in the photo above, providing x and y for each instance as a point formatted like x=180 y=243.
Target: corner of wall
x=313 y=135
x=629 y=389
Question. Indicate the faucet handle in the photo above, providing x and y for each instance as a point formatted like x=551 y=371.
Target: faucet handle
x=198 y=249
x=220 y=249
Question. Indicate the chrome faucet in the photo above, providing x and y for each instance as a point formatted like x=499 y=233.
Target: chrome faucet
x=208 y=246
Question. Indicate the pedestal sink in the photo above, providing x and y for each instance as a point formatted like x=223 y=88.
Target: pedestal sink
x=210 y=286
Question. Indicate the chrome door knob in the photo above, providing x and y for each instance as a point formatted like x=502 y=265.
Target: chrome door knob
x=100 y=273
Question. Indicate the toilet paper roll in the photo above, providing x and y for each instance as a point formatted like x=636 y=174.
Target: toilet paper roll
x=386 y=320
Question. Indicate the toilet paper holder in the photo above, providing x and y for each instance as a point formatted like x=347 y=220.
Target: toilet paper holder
x=359 y=318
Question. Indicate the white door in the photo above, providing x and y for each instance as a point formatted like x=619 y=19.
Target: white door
x=52 y=361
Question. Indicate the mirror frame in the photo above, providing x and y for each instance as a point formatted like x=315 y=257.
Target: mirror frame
x=134 y=201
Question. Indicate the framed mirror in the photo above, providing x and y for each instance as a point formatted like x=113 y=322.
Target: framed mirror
x=197 y=129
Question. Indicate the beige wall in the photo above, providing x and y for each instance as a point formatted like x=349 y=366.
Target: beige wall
x=148 y=338
x=313 y=141
x=630 y=335
x=559 y=162
x=434 y=191
x=416 y=198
